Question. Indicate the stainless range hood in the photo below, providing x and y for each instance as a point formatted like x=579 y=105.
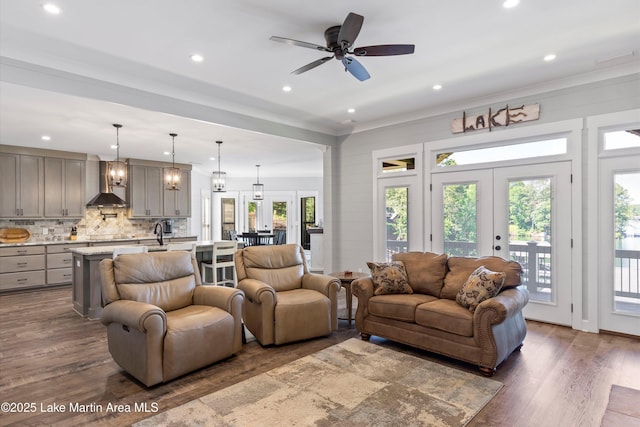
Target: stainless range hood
x=106 y=198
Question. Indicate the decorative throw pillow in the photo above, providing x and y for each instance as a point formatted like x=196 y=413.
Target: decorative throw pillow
x=481 y=285
x=389 y=278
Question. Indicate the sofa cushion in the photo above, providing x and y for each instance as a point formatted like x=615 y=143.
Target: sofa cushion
x=399 y=306
x=445 y=315
x=481 y=285
x=425 y=271
x=460 y=268
x=389 y=278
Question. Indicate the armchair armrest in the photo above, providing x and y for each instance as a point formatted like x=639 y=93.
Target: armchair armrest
x=134 y=314
x=363 y=290
x=326 y=285
x=217 y=296
x=502 y=306
x=256 y=291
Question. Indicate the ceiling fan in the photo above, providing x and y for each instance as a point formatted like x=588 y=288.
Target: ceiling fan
x=340 y=39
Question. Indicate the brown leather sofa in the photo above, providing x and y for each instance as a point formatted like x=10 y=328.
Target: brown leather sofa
x=431 y=319
x=283 y=301
x=161 y=323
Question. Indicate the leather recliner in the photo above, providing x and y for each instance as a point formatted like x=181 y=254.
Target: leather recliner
x=283 y=301
x=161 y=323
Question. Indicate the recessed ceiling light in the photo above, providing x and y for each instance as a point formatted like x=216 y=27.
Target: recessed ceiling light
x=508 y=4
x=351 y=110
x=166 y=153
x=51 y=8
x=114 y=147
x=550 y=57
x=437 y=87
x=46 y=138
x=212 y=158
x=286 y=88
x=197 y=57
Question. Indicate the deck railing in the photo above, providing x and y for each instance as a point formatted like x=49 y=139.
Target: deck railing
x=535 y=259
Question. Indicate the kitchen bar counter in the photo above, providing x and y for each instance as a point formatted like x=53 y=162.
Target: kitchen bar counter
x=87 y=285
x=94 y=242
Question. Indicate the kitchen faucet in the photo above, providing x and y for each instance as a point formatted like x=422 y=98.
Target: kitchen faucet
x=160 y=235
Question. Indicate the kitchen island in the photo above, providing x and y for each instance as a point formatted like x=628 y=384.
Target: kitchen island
x=87 y=285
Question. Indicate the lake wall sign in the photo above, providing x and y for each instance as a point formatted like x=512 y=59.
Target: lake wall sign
x=502 y=117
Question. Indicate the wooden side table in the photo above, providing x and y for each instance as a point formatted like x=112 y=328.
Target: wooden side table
x=345 y=280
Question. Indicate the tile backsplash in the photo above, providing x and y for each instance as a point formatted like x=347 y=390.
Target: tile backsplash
x=97 y=224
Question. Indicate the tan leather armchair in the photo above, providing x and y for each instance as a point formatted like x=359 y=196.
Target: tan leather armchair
x=161 y=323
x=283 y=301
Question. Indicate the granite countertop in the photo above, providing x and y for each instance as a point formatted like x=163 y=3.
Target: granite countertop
x=35 y=242
x=103 y=250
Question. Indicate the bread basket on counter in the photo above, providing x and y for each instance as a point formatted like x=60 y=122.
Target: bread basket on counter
x=14 y=235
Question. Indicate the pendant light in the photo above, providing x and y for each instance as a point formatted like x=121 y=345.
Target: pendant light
x=117 y=171
x=258 y=189
x=218 y=179
x=172 y=175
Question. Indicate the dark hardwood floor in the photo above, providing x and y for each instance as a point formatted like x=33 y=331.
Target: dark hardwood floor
x=50 y=355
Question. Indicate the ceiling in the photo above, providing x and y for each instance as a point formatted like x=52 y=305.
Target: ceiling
x=72 y=75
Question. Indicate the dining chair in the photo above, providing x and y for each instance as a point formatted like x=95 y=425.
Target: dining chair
x=222 y=258
x=128 y=250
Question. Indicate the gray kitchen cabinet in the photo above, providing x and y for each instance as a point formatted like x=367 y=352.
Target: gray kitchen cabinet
x=177 y=203
x=22 y=192
x=22 y=267
x=64 y=187
x=145 y=191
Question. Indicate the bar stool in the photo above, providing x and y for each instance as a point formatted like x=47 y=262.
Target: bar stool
x=182 y=246
x=128 y=250
x=221 y=259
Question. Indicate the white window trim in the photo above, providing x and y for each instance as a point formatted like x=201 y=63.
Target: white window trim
x=573 y=131
x=596 y=126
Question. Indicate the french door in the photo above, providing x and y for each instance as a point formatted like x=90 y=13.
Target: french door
x=619 y=249
x=522 y=213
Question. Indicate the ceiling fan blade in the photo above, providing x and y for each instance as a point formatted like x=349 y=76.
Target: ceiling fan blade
x=355 y=68
x=384 y=50
x=293 y=42
x=350 y=29
x=312 y=65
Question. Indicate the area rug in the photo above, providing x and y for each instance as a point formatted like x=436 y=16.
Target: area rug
x=354 y=383
x=623 y=408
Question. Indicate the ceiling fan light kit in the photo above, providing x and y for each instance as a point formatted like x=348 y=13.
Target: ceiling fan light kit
x=340 y=39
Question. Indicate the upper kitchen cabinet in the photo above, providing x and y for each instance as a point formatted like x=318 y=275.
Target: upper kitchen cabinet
x=21 y=194
x=144 y=191
x=64 y=187
x=146 y=194
x=177 y=203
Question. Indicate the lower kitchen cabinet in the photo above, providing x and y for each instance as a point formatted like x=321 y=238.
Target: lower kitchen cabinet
x=22 y=267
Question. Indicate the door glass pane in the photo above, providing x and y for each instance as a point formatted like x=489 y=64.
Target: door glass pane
x=228 y=218
x=308 y=216
x=396 y=208
x=530 y=234
x=252 y=213
x=460 y=224
x=627 y=242
x=279 y=222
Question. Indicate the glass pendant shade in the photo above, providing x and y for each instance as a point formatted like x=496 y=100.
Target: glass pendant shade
x=258 y=189
x=218 y=181
x=117 y=171
x=172 y=178
x=172 y=175
x=219 y=178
